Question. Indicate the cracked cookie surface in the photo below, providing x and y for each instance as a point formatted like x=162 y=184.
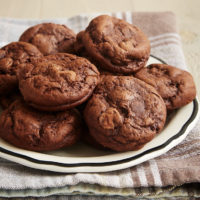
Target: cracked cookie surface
x=57 y=82
x=30 y=129
x=175 y=86
x=124 y=113
x=50 y=38
x=115 y=44
x=11 y=56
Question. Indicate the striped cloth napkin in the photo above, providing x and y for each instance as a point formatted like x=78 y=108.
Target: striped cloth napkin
x=159 y=176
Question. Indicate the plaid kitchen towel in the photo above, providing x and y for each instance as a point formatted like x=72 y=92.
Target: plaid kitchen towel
x=178 y=166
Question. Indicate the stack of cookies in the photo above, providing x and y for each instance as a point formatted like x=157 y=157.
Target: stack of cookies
x=57 y=87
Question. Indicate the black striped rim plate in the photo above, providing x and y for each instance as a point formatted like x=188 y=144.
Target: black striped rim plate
x=82 y=158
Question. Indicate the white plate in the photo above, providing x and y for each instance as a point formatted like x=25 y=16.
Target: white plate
x=82 y=158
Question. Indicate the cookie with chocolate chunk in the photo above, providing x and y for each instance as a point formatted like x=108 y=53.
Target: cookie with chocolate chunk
x=30 y=129
x=115 y=44
x=57 y=82
x=11 y=56
x=50 y=38
x=175 y=86
x=124 y=113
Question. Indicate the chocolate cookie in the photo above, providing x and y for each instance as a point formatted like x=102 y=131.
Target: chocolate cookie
x=175 y=86
x=30 y=129
x=124 y=113
x=11 y=56
x=116 y=45
x=57 y=82
x=50 y=38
